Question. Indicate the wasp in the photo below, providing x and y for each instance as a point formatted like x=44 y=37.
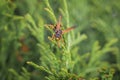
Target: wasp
x=58 y=32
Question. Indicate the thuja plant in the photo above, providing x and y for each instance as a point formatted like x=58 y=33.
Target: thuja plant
x=61 y=60
x=9 y=35
x=56 y=61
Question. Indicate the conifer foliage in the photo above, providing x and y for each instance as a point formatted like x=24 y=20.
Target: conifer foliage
x=90 y=51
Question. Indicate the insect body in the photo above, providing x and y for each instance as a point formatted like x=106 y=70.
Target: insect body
x=58 y=32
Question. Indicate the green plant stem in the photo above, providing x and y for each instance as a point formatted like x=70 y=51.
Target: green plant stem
x=67 y=21
x=68 y=54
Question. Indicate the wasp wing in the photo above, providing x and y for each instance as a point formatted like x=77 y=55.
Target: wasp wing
x=68 y=29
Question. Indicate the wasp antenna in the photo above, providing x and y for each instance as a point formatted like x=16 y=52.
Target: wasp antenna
x=59 y=23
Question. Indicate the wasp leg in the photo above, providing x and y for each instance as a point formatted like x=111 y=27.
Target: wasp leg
x=63 y=41
x=58 y=43
x=51 y=38
x=50 y=26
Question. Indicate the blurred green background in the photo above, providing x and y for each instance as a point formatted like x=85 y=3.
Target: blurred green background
x=94 y=53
